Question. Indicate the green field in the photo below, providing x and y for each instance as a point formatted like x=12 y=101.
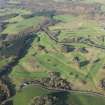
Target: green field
x=21 y=25
x=77 y=26
x=38 y=62
x=83 y=67
x=24 y=96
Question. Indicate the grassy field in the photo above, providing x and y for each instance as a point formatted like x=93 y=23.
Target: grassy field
x=77 y=26
x=39 y=61
x=16 y=24
x=45 y=55
x=21 y=25
x=24 y=96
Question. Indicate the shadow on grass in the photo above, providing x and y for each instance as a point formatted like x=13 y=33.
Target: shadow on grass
x=62 y=97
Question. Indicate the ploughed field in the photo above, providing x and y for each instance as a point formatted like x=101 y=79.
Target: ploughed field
x=34 y=44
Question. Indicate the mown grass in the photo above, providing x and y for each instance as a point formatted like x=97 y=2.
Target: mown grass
x=38 y=62
x=77 y=26
x=84 y=99
x=22 y=25
x=55 y=60
x=24 y=97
